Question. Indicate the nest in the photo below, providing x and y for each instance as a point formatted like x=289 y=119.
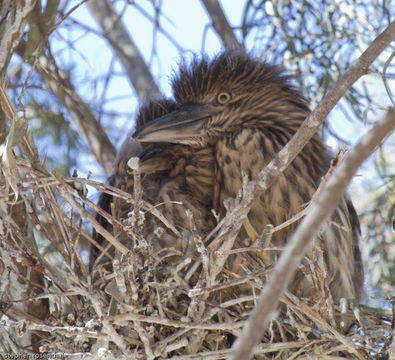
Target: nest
x=147 y=304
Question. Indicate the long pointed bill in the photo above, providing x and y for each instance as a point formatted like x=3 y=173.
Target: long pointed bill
x=180 y=124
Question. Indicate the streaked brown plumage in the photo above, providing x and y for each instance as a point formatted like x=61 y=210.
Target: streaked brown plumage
x=244 y=111
x=170 y=173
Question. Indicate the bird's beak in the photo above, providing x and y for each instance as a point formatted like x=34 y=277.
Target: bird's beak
x=187 y=122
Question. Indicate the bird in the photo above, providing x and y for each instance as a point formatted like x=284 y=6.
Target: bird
x=121 y=179
x=243 y=111
x=173 y=176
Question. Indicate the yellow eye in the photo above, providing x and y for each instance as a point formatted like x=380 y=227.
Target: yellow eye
x=224 y=97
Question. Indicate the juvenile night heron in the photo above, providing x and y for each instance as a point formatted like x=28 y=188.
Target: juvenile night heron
x=170 y=175
x=244 y=111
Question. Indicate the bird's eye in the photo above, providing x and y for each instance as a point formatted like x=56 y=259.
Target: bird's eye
x=224 y=97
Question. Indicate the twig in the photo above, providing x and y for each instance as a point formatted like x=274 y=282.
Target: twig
x=198 y=291
x=131 y=316
x=201 y=249
x=339 y=158
x=60 y=85
x=65 y=190
x=107 y=324
x=262 y=349
x=133 y=164
x=119 y=278
x=68 y=331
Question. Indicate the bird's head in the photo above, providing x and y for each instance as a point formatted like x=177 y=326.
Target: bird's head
x=157 y=157
x=224 y=95
x=150 y=154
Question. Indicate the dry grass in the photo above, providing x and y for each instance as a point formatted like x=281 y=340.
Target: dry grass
x=163 y=304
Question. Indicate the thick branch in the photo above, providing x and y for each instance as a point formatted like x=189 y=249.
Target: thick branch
x=58 y=82
x=62 y=88
x=300 y=239
x=132 y=61
x=60 y=85
x=220 y=24
x=12 y=30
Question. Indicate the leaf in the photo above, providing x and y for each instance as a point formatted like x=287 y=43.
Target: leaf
x=8 y=160
x=17 y=131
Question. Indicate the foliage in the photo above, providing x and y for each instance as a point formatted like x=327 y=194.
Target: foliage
x=320 y=41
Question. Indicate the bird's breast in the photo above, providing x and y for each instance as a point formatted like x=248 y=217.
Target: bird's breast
x=246 y=152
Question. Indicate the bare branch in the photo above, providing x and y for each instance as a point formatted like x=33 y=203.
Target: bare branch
x=11 y=31
x=59 y=83
x=298 y=242
x=132 y=61
x=221 y=25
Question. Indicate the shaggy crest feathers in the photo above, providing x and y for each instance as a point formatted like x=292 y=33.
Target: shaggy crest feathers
x=230 y=70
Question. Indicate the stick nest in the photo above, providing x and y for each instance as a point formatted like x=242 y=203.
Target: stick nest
x=146 y=304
